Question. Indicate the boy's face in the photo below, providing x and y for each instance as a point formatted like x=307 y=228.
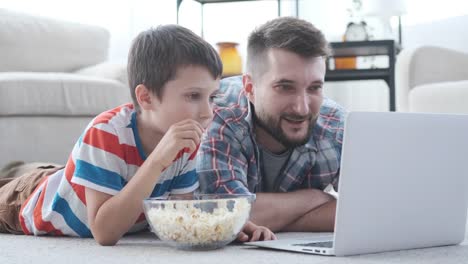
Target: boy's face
x=188 y=96
x=288 y=96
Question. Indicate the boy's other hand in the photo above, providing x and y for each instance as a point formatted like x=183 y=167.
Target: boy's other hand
x=252 y=232
x=184 y=134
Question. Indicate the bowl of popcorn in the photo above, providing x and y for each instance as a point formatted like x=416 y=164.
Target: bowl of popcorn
x=201 y=222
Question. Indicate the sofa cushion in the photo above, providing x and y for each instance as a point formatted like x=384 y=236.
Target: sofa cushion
x=108 y=70
x=34 y=43
x=59 y=94
x=444 y=97
x=47 y=139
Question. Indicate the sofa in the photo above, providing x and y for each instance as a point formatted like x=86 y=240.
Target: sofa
x=54 y=78
x=432 y=79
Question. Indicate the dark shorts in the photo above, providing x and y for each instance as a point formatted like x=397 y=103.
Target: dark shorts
x=17 y=183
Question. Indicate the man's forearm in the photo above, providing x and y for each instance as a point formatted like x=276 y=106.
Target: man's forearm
x=279 y=210
x=321 y=219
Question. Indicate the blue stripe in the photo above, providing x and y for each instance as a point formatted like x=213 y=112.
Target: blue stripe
x=185 y=180
x=179 y=182
x=62 y=207
x=98 y=175
x=161 y=188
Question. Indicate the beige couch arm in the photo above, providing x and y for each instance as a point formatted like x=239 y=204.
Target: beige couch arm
x=107 y=70
x=427 y=65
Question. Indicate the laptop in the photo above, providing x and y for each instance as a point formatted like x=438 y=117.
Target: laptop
x=403 y=185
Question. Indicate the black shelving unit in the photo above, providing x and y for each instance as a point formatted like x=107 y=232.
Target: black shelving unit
x=366 y=48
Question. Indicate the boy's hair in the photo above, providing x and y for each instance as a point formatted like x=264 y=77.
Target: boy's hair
x=288 y=33
x=156 y=55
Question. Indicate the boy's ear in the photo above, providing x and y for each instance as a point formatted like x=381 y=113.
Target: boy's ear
x=144 y=98
x=248 y=86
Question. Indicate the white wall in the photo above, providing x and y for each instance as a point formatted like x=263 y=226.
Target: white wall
x=126 y=18
x=449 y=33
x=228 y=21
x=426 y=23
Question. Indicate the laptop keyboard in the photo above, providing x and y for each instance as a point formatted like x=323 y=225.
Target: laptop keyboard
x=324 y=244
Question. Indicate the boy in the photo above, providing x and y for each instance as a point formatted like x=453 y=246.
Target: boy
x=135 y=151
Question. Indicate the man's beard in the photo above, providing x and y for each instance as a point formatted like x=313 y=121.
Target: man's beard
x=273 y=128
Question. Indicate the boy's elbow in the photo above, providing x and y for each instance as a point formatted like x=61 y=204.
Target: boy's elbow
x=107 y=244
x=104 y=240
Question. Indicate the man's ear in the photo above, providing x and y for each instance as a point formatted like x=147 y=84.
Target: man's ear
x=248 y=87
x=144 y=97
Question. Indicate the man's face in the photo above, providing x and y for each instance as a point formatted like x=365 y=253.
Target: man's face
x=288 y=96
x=188 y=96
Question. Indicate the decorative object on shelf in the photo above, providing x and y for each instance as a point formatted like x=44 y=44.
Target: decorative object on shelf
x=345 y=63
x=356 y=30
x=385 y=10
x=232 y=62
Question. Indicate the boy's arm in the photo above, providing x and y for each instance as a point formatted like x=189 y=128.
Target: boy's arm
x=185 y=182
x=110 y=217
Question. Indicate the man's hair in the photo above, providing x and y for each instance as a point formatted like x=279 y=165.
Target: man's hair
x=288 y=33
x=156 y=55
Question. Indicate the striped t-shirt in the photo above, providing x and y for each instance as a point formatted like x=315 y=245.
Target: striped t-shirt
x=105 y=158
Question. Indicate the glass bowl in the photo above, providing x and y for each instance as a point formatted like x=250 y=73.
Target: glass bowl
x=203 y=222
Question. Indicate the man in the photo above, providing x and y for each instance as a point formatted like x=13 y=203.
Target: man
x=274 y=133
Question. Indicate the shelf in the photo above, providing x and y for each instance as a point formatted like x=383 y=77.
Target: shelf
x=362 y=48
x=366 y=48
x=364 y=74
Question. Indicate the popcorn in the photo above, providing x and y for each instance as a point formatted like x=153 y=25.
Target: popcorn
x=200 y=222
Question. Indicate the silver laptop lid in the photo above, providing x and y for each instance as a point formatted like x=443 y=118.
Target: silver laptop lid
x=404 y=178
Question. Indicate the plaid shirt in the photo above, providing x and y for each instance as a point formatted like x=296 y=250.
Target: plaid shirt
x=228 y=160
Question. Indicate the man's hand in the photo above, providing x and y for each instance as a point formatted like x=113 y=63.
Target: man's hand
x=252 y=232
x=184 y=134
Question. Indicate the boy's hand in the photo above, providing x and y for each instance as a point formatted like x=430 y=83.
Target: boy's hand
x=184 y=134
x=252 y=232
